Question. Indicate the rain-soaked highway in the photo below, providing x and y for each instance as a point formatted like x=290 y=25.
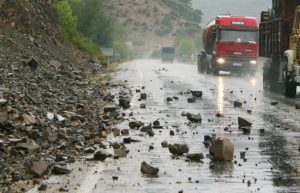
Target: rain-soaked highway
x=272 y=161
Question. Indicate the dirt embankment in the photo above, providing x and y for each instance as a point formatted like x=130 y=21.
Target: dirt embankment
x=50 y=107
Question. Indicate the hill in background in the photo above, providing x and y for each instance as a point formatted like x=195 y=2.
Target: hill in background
x=234 y=7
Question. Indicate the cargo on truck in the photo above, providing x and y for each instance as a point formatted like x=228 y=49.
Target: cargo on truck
x=280 y=44
x=230 y=44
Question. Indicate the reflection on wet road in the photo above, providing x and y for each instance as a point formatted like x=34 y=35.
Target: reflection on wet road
x=272 y=161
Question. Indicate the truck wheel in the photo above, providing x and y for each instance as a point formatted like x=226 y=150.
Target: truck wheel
x=290 y=89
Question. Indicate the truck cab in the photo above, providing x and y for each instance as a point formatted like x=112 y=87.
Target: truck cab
x=232 y=44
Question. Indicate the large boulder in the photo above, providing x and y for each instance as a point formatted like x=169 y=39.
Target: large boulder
x=178 y=149
x=221 y=149
x=148 y=169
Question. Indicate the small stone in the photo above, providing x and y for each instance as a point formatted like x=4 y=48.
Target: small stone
x=191 y=100
x=164 y=144
x=115 y=177
x=196 y=93
x=148 y=169
x=237 y=104
x=39 y=168
x=195 y=157
x=116 y=132
x=172 y=133
x=274 y=103
x=33 y=64
x=124 y=102
x=135 y=124
x=219 y=114
x=125 y=131
x=169 y=99
x=143 y=96
x=262 y=132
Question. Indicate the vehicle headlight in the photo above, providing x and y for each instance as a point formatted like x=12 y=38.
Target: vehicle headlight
x=253 y=62
x=220 y=60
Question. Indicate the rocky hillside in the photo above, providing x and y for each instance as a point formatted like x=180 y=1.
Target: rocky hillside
x=51 y=105
x=148 y=23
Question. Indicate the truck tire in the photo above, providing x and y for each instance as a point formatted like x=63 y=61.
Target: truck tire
x=290 y=89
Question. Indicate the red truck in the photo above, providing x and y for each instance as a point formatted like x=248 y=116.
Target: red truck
x=230 y=44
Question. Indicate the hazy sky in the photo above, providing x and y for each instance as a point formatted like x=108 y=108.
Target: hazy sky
x=211 y=8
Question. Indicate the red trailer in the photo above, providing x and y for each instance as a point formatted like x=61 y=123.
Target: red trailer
x=230 y=43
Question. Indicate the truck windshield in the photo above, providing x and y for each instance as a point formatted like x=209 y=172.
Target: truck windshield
x=238 y=36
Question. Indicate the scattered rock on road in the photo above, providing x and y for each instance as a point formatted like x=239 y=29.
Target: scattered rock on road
x=148 y=169
x=274 y=103
x=196 y=93
x=60 y=170
x=243 y=122
x=136 y=124
x=237 y=104
x=195 y=157
x=221 y=149
x=178 y=149
x=101 y=155
x=194 y=117
x=164 y=144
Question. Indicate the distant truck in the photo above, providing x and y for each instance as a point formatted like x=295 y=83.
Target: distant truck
x=230 y=44
x=280 y=43
x=167 y=54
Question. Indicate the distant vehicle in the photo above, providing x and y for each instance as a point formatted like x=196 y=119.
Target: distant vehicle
x=167 y=54
x=230 y=44
x=280 y=43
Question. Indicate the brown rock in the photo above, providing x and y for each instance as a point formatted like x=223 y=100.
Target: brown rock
x=148 y=169
x=221 y=149
x=28 y=119
x=125 y=131
x=101 y=155
x=178 y=149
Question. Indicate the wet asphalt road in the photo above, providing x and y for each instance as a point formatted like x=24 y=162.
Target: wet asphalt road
x=272 y=161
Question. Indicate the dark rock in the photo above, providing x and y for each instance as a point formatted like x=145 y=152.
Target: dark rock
x=169 y=99
x=246 y=130
x=196 y=93
x=237 y=104
x=138 y=90
x=60 y=170
x=42 y=187
x=101 y=155
x=164 y=144
x=243 y=122
x=115 y=177
x=125 y=131
x=39 y=168
x=124 y=102
x=249 y=111
x=195 y=157
x=129 y=140
x=178 y=149
x=172 y=133
x=242 y=154
x=262 y=132
x=191 y=100
x=148 y=169
x=33 y=64
x=194 y=117
x=143 y=96
x=89 y=150
x=146 y=128
x=274 y=103
x=136 y=124
x=150 y=133
x=62 y=189
x=156 y=123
